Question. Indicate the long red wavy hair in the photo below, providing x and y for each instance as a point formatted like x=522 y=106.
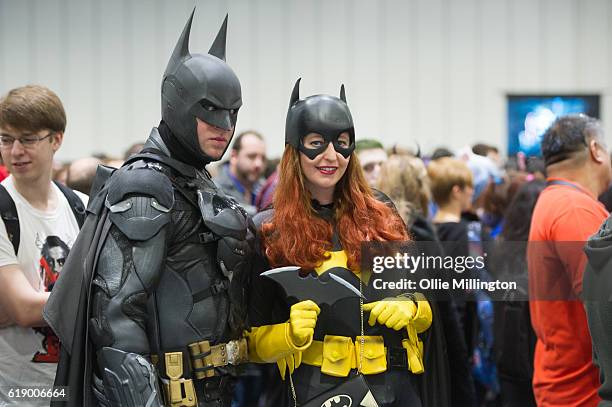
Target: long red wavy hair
x=297 y=236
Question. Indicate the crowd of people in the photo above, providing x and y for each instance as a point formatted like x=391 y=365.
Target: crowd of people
x=174 y=277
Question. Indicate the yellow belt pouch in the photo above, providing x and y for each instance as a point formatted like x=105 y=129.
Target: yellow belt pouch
x=374 y=355
x=337 y=355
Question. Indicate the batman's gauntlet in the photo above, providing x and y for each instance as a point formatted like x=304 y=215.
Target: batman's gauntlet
x=284 y=343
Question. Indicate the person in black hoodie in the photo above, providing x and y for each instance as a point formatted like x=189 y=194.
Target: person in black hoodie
x=462 y=236
x=404 y=179
x=596 y=286
x=514 y=337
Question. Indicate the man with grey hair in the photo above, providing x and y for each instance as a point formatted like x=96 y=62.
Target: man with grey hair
x=566 y=214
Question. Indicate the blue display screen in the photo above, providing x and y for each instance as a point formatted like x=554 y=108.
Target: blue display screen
x=529 y=116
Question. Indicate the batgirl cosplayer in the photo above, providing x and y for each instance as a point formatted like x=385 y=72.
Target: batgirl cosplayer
x=349 y=352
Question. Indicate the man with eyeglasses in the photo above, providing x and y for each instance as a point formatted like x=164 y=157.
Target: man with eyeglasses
x=32 y=124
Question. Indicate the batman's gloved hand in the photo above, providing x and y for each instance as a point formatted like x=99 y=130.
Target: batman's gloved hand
x=302 y=321
x=397 y=312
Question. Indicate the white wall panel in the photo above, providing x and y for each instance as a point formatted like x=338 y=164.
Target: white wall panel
x=398 y=99
x=496 y=34
x=558 y=57
x=463 y=63
x=17 y=44
x=435 y=72
x=593 y=41
x=431 y=84
x=368 y=74
x=112 y=71
x=526 y=50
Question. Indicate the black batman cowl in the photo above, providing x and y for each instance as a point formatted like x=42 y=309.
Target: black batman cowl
x=178 y=151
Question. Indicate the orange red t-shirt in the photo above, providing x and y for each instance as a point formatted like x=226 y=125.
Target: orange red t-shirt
x=565 y=216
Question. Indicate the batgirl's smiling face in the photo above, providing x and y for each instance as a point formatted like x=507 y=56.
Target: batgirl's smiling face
x=325 y=170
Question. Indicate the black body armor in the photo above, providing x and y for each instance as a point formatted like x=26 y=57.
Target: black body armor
x=171 y=273
x=151 y=306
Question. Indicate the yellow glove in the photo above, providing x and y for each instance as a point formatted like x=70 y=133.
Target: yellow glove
x=302 y=321
x=291 y=361
x=395 y=313
x=283 y=343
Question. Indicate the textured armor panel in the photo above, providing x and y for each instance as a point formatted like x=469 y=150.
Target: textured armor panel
x=138 y=218
x=111 y=260
x=129 y=379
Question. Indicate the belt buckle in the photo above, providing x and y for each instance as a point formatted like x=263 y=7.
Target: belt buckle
x=236 y=351
x=231 y=353
x=397 y=358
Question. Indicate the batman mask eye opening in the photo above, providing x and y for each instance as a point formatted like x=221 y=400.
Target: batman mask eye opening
x=208 y=106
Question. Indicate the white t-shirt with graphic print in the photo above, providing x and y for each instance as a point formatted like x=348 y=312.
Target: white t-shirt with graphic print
x=27 y=355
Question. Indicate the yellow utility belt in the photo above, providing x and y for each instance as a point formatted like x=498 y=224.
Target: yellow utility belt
x=337 y=355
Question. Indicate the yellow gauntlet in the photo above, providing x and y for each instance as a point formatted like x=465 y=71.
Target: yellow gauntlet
x=283 y=343
x=413 y=314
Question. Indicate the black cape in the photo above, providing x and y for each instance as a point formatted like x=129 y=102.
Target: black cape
x=67 y=310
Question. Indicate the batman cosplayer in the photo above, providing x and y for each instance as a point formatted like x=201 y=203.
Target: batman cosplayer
x=334 y=348
x=151 y=306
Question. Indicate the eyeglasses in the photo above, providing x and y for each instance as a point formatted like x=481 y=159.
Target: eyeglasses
x=29 y=141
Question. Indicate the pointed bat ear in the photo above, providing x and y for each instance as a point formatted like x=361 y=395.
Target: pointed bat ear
x=218 y=47
x=342 y=93
x=181 y=49
x=295 y=95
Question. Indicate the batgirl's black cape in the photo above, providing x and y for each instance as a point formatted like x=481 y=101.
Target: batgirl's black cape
x=67 y=310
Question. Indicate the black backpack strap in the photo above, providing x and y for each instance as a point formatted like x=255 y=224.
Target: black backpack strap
x=8 y=212
x=78 y=209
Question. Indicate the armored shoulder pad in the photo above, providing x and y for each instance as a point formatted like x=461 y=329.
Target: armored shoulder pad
x=139 y=200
